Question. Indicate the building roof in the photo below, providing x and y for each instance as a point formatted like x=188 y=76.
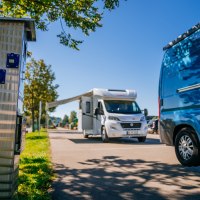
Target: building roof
x=183 y=36
x=29 y=26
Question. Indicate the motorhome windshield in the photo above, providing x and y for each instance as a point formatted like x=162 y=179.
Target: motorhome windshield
x=122 y=107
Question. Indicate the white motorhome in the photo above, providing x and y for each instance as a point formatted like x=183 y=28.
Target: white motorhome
x=109 y=113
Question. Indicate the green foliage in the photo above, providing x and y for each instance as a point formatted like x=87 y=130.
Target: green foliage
x=85 y=15
x=54 y=121
x=65 y=120
x=73 y=120
x=35 y=169
x=73 y=116
x=39 y=86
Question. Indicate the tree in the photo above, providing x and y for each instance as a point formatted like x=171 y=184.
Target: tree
x=65 y=120
x=85 y=15
x=38 y=87
x=73 y=120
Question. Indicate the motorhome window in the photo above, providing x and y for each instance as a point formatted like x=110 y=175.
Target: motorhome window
x=122 y=107
x=80 y=105
x=113 y=90
x=87 y=107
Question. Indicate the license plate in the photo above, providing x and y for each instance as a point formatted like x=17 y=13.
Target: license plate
x=135 y=132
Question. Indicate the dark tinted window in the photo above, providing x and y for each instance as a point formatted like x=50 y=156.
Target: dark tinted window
x=87 y=107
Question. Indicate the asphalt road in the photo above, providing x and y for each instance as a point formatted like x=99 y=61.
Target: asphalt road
x=122 y=169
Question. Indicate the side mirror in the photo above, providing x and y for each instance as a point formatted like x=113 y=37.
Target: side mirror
x=96 y=111
x=145 y=112
x=101 y=112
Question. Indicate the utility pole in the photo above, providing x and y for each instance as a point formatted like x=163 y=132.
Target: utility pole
x=40 y=113
x=47 y=118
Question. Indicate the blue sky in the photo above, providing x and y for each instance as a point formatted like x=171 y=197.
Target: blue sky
x=126 y=53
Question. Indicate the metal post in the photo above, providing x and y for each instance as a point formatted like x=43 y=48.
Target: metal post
x=47 y=117
x=40 y=113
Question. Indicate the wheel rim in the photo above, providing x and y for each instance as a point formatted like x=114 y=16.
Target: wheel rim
x=186 y=147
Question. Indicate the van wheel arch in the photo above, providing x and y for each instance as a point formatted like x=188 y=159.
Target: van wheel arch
x=178 y=128
x=187 y=147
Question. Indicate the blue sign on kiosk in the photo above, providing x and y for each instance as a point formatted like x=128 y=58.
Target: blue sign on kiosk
x=2 y=76
x=12 y=60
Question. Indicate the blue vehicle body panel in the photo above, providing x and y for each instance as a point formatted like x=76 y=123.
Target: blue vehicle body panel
x=179 y=88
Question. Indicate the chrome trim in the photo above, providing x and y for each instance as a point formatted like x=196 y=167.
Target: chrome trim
x=131 y=129
x=191 y=87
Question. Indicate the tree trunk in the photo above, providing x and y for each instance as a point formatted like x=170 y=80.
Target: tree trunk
x=33 y=119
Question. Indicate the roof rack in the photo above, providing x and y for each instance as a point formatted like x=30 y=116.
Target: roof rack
x=182 y=37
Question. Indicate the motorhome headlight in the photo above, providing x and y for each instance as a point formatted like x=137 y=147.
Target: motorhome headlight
x=142 y=118
x=113 y=118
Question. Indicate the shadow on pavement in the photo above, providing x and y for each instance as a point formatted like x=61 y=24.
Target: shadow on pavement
x=96 y=139
x=114 y=178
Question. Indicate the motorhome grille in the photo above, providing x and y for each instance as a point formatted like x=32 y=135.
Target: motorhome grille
x=131 y=125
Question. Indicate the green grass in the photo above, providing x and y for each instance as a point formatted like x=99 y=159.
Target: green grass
x=35 y=169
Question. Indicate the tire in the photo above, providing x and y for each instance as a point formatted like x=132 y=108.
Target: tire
x=104 y=135
x=141 y=139
x=187 y=148
x=84 y=134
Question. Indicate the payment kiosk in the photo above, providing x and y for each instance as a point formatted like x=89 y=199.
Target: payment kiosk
x=15 y=33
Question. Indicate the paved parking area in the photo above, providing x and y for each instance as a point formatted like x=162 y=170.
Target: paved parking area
x=122 y=169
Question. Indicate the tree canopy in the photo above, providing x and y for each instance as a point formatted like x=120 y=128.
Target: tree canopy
x=73 y=120
x=39 y=86
x=65 y=120
x=85 y=15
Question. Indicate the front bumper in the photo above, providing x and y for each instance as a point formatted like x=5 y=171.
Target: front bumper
x=115 y=130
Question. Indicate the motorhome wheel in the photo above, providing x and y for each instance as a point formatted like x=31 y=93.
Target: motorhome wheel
x=141 y=139
x=186 y=148
x=84 y=134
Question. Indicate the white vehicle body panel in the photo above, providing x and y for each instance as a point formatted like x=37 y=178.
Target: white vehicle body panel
x=128 y=125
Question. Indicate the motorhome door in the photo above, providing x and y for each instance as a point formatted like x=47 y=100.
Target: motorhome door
x=99 y=120
x=86 y=113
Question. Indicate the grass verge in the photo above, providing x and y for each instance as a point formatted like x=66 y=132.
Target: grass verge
x=35 y=169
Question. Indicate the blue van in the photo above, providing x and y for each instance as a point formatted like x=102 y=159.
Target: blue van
x=179 y=97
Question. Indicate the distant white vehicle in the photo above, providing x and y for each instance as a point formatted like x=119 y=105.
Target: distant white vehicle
x=109 y=113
